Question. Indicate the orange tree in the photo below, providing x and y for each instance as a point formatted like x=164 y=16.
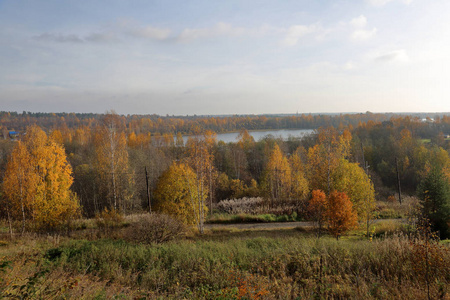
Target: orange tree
x=37 y=183
x=317 y=208
x=340 y=214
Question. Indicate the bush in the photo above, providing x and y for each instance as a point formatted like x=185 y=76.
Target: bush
x=389 y=228
x=154 y=228
x=241 y=206
x=108 y=219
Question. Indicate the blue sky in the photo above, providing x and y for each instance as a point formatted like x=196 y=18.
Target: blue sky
x=224 y=57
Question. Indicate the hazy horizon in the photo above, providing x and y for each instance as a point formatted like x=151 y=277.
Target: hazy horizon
x=224 y=58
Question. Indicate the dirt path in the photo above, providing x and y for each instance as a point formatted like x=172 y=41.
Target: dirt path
x=271 y=225
x=276 y=225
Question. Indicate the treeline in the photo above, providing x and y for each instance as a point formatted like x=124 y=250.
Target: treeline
x=118 y=164
x=188 y=125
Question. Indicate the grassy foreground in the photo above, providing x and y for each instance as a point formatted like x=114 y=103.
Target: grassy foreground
x=225 y=265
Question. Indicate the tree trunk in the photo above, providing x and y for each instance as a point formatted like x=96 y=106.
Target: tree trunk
x=148 y=192
x=398 y=182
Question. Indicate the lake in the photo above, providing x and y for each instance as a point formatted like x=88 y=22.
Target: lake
x=258 y=135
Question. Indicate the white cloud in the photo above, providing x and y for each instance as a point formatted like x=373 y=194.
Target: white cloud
x=150 y=32
x=380 y=3
x=359 y=22
x=349 y=66
x=74 y=38
x=296 y=32
x=362 y=34
x=393 y=56
x=100 y=37
x=220 y=29
x=59 y=38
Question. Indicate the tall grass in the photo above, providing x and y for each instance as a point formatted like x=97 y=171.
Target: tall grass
x=243 y=268
x=222 y=218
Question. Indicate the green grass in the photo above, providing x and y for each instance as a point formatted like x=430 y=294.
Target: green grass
x=395 y=210
x=277 y=264
x=248 y=218
x=425 y=141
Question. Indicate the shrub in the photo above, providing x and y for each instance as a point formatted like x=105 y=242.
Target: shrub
x=389 y=228
x=108 y=219
x=154 y=228
x=391 y=199
x=241 y=206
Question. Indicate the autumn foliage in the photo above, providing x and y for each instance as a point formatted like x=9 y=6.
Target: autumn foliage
x=340 y=214
x=336 y=211
x=177 y=195
x=317 y=208
x=37 y=183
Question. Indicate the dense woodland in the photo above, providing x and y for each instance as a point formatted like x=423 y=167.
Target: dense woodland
x=87 y=182
x=135 y=163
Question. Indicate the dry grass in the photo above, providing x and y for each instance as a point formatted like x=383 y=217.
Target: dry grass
x=395 y=210
x=224 y=264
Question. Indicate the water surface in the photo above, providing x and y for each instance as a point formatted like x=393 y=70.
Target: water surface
x=258 y=135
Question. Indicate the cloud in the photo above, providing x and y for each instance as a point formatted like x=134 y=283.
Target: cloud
x=100 y=37
x=74 y=38
x=359 y=22
x=296 y=32
x=360 y=33
x=150 y=32
x=349 y=66
x=59 y=38
x=393 y=56
x=380 y=3
x=220 y=29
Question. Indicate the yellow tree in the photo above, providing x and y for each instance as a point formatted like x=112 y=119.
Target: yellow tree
x=176 y=194
x=55 y=202
x=20 y=184
x=245 y=140
x=57 y=136
x=112 y=160
x=200 y=159
x=299 y=185
x=351 y=179
x=132 y=140
x=324 y=157
x=210 y=138
x=278 y=176
x=37 y=182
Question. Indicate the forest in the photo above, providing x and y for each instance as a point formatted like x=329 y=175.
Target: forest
x=57 y=170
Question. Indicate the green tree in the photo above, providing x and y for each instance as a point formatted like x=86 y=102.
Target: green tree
x=434 y=194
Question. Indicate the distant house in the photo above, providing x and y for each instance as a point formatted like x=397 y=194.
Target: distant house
x=428 y=120
x=13 y=135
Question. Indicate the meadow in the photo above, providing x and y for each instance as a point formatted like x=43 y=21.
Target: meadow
x=110 y=263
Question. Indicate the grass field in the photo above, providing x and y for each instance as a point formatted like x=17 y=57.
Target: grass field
x=226 y=264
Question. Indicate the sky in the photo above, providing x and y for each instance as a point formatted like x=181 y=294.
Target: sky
x=224 y=57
